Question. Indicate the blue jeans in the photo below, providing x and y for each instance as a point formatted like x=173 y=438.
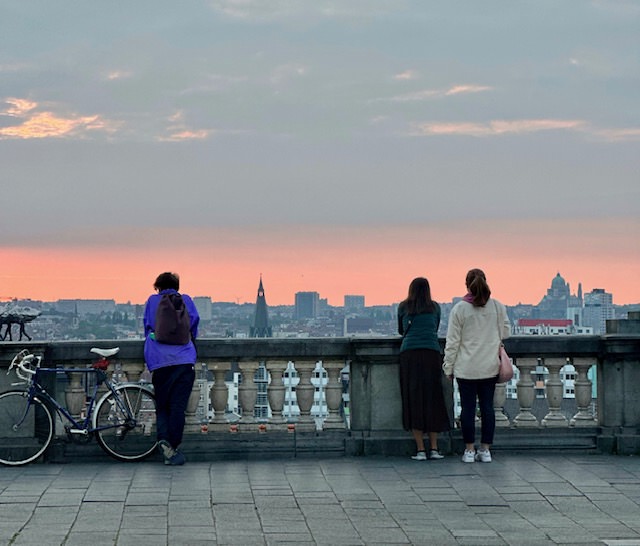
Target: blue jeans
x=481 y=390
x=172 y=386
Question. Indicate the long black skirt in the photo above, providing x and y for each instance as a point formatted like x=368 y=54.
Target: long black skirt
x=423 y=405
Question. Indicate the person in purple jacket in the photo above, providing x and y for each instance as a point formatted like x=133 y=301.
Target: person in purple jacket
x=172 y=369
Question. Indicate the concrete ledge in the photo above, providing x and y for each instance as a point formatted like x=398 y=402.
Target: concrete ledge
x=222 y=446
x=285 y=445
x=628 y=444
x=393 y=443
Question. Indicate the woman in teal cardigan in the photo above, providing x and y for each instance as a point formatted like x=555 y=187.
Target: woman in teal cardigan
x=423 y=406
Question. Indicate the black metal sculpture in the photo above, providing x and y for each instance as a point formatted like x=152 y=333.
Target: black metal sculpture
x=14 y=314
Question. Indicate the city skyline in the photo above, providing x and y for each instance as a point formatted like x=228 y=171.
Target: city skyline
x=339 y=302
x=338 y=147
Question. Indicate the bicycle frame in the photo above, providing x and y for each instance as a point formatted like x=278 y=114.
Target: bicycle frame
x=82 y=426
x=119 y=418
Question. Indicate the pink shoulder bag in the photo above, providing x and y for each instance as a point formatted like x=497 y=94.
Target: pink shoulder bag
x=505 y=368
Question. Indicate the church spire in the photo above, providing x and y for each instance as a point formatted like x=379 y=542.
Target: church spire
x=260 y=327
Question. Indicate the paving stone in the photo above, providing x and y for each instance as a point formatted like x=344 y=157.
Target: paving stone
x=297 y=540
x=39 y=536
x=527 y=500
x=192 y=535
x=100 y=538
x=384 y=536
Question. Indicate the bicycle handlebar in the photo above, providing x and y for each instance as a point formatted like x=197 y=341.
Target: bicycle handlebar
x=25 y=362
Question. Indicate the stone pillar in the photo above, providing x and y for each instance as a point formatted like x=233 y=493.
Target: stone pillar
x=499 y=398
x=74 y=394
x=276 y=390
x=618 y=380
x=583 y=386
x=525 y=393
x=219 y=395
x=554 y=393
x=333 y=395
x=248 y=391
x=133 y=371
x=304 y=395
x=192 y=423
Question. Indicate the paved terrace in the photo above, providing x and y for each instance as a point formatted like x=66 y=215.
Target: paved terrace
x=531 y=499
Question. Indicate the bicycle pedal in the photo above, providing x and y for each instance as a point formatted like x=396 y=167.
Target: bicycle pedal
x=78 y=431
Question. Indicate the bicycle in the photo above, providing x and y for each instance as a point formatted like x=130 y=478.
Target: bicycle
x=122 y=419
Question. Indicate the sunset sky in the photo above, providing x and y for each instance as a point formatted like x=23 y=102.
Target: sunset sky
x=343 y=147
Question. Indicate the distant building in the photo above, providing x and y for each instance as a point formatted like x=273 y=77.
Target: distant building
x=260 y=326
x=306 y=305
x=598 y=308
x=204 y=307
x=546 y=327
x=558 y=299
x=353 y=304
x=358 y=325
x=85 y=307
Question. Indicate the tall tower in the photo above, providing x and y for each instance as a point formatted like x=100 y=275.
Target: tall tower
x=307 y=305
x=598 y=308
x=260 y=327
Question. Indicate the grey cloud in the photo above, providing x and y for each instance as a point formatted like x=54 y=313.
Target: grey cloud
x=279 y=123
x=294 y=9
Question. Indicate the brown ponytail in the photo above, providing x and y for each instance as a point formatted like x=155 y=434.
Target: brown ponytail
x=478 y=287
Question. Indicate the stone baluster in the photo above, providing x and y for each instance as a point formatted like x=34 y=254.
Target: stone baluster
x=499 y=398
x=305 y=391
x=525 y=393
x=248 y=391
x=333 y=395
x=133 y=371
x=192 y=423
x=219 y=395
x=554 y=387
x=74 y=393
x=583 y=386
x=276 y=391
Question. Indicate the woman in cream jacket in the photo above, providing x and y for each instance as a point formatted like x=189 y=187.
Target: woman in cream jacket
x=477 y=325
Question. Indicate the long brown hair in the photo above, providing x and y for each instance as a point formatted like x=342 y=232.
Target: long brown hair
x=419 y=297
x=477 y=285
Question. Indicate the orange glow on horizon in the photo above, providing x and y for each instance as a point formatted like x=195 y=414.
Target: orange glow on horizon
x=377 y=263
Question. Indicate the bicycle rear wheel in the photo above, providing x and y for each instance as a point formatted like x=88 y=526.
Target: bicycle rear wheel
x=126 y=426
x=26 y=428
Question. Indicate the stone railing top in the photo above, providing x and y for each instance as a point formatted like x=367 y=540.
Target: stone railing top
x=374 y=349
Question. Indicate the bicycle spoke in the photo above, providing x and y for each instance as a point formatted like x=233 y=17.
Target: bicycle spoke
x=26 y=428
x=126 y=423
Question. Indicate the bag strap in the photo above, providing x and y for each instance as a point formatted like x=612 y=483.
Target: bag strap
x=498 y=321
x=408 y=327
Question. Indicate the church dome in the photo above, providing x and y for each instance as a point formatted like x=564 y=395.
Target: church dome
x=558 y=282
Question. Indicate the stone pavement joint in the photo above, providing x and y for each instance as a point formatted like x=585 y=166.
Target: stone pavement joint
x=518 y=499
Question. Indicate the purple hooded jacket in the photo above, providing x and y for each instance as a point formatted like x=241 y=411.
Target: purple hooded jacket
x=159 y=355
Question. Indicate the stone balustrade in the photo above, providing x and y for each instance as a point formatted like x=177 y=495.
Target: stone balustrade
x=374 y=411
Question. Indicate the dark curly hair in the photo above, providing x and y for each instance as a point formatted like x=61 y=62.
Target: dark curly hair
x=167 y=280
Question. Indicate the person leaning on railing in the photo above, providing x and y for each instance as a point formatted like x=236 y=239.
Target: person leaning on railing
x=172 y=368
x=423 y=406
x=477 y=324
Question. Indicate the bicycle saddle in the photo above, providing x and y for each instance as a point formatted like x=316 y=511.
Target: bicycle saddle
x=105 y=353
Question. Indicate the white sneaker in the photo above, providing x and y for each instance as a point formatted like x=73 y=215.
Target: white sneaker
x=434 y=454
x=420 y=456
x=483 y=455
x=468 y=456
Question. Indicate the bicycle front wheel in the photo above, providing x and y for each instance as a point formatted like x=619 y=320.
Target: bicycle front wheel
x=26 y=428
x=125 y=423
